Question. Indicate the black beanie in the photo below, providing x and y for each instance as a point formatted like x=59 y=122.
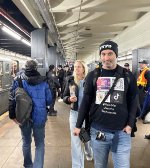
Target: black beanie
x=109 y=45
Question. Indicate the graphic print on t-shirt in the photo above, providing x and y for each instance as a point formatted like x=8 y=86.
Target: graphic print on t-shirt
x=103 y=86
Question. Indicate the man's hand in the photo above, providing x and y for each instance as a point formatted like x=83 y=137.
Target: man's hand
x=73 y=99
x=76 y=131
x=16 y=121
x=127 y=129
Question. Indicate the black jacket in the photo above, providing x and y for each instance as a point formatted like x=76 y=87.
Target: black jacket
x=53 y=80
x=61 y=74
x=66 y=94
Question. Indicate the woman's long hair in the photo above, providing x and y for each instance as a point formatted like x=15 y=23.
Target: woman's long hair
x=76 y=79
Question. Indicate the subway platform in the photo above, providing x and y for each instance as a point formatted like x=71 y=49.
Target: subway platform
x=57 y=143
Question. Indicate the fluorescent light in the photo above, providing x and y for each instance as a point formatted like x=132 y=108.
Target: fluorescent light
x=126 y=57
x=26 y=42
x=121 y=58
x=15 y=35
x=129 y=57
x=11 y=33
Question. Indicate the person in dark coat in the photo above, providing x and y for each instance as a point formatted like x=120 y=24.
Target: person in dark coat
x=127 y=66
x=61 y=75
x=54 y=85
x=146 y=111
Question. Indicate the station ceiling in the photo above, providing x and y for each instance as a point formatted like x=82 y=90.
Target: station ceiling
x=10 y=16
x=77 y=27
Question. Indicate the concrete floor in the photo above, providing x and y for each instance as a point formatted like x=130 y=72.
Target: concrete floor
x=57 y=154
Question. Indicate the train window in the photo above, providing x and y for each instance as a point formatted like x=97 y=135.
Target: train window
x=1 y=67
x=14 y=68
x=7 y=68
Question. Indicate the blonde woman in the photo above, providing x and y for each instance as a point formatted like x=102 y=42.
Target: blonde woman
x=73 y=95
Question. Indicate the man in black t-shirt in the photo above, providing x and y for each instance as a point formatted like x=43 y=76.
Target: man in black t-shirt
x=112 y=120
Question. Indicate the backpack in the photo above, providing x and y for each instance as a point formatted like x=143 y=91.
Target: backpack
x=23 y=103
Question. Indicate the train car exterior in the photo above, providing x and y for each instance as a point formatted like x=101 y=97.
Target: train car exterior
x=10 y=64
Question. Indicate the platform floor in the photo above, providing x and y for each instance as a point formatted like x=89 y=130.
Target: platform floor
x=57 y=152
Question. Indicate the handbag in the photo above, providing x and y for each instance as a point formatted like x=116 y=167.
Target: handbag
x=84 y=135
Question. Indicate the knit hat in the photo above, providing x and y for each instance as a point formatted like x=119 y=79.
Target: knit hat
x=109 y=45
x=31 y=65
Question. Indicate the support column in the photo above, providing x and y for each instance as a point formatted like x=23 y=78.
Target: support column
x=52 y=56
x=39 y=49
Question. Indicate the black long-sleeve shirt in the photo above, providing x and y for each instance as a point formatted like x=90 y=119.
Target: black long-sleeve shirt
x=127 y=110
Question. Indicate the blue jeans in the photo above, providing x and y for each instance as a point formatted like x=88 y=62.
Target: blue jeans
x=119 y=144
x=77 y=149
x=39 y=136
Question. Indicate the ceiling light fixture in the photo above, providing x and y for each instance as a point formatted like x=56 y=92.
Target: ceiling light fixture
x=15 y=34
x=26 y=42
x=11 y=32
x=126 y=57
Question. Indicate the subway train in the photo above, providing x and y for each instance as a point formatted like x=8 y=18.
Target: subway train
x=10 y=64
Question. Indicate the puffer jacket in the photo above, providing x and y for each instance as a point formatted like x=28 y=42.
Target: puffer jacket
x=38 y=89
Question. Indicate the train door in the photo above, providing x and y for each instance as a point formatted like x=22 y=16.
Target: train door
x=5 y=83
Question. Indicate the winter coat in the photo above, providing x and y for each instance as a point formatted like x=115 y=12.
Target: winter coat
x=38 y=89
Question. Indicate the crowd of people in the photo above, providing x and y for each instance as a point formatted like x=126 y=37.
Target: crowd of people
x=96 y=100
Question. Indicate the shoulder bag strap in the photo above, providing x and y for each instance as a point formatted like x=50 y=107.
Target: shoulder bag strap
x=118 y=74
x=111 y=89
x=20 y=82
